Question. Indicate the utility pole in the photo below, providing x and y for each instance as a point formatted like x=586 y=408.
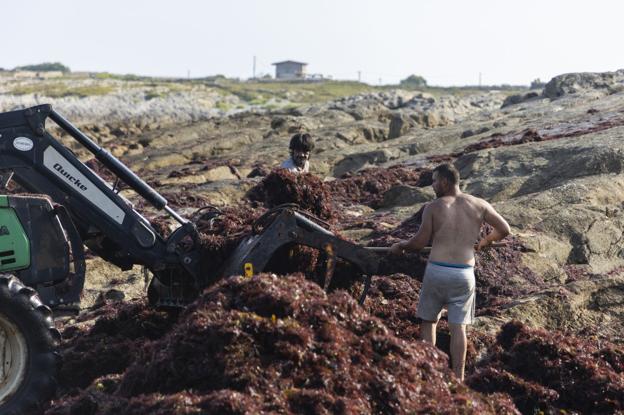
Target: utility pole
x=359 y=76
x=254 y=67
x=188 y=73
x=479 y=79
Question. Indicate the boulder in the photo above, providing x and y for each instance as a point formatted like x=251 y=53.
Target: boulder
x=573 y=83
x=519 y=98
x=375 y=134
x=219 y=173
x=399 y=125
x=470 y=133
x=404 y=195
x=356 y=161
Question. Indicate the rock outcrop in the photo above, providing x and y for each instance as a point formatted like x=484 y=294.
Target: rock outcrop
x=575 y=83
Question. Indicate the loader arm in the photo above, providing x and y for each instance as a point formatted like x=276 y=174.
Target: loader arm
x=287 y=225
x=105 y=221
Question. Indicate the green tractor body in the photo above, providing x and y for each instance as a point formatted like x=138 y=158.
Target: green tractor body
x=34 y=250
x=14 y=243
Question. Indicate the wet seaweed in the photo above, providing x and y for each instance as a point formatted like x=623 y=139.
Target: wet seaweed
x=280 y=344
x=553 y=371
x=284 y=187
x=368 y=186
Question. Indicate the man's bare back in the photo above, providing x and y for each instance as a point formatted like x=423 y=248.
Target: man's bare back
x=452 y=223
x=456 y=221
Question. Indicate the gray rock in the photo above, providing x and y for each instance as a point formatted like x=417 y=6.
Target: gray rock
x=114 y=295
x=470 y=133
x=354 y=162
x=573 y=83
x=518 y=170
x=399 y=125
x=518 y=99
x=374 y=134
x=405 y=195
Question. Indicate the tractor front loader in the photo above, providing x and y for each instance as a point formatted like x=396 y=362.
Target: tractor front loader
x=68 y=206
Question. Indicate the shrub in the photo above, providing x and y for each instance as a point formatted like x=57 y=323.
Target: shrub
x=414 y=81
x=44 y=67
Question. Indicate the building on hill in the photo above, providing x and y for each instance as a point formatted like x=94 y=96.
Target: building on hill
x=290 y=70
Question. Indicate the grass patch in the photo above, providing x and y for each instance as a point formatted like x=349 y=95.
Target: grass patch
x=297 y=92
x=60 y=90
x=154 y=94
x=223 y=106
x=124 y=77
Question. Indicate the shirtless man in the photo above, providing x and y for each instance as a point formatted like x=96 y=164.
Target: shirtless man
x=452 y=223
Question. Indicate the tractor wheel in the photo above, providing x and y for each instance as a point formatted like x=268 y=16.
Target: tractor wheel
x=28 y=343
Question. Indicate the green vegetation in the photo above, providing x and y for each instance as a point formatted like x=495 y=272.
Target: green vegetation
x=299 y=93
x=413 y=81
x=259 y=93
x=155 y=94
x=44 y=67
x=125 y=77
x=223 y=106
x=60 y=90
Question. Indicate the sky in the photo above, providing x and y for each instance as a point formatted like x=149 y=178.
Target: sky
x=448 y=42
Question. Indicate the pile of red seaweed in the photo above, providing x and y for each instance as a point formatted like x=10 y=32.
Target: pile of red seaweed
x=110 y=345
x=320 y=198
x=368 y=186
x=280 y=344
x=501 y=276
x=497 y=140
x=285 y=187
x=275 y=344
x=394 y=299
x=184 y=197
x=221 y=230
x=553 y=372
x=405 y=230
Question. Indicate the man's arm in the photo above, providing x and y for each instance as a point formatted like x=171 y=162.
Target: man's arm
x=500 y=225
x=422 y=237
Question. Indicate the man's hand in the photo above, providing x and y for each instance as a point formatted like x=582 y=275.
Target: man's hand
x=397 y=249
x=483 y=244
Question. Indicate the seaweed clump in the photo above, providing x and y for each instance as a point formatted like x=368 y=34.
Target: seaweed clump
x=553 y=372
x=368 y=186
x=109 y=346
x=394 y=300
x=220 y=232
x=501 y=276
x=284 y=187
x=281 y=344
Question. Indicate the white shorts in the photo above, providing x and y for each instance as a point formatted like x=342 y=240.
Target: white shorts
x=450 y=286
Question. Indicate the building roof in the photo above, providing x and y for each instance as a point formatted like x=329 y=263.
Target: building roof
x=279 y=63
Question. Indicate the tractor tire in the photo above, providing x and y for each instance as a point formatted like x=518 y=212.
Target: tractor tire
x=28 y=349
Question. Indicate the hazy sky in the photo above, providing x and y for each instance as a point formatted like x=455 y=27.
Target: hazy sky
x=449 y=42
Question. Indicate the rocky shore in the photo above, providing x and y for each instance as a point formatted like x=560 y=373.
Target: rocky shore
x=550 y=304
